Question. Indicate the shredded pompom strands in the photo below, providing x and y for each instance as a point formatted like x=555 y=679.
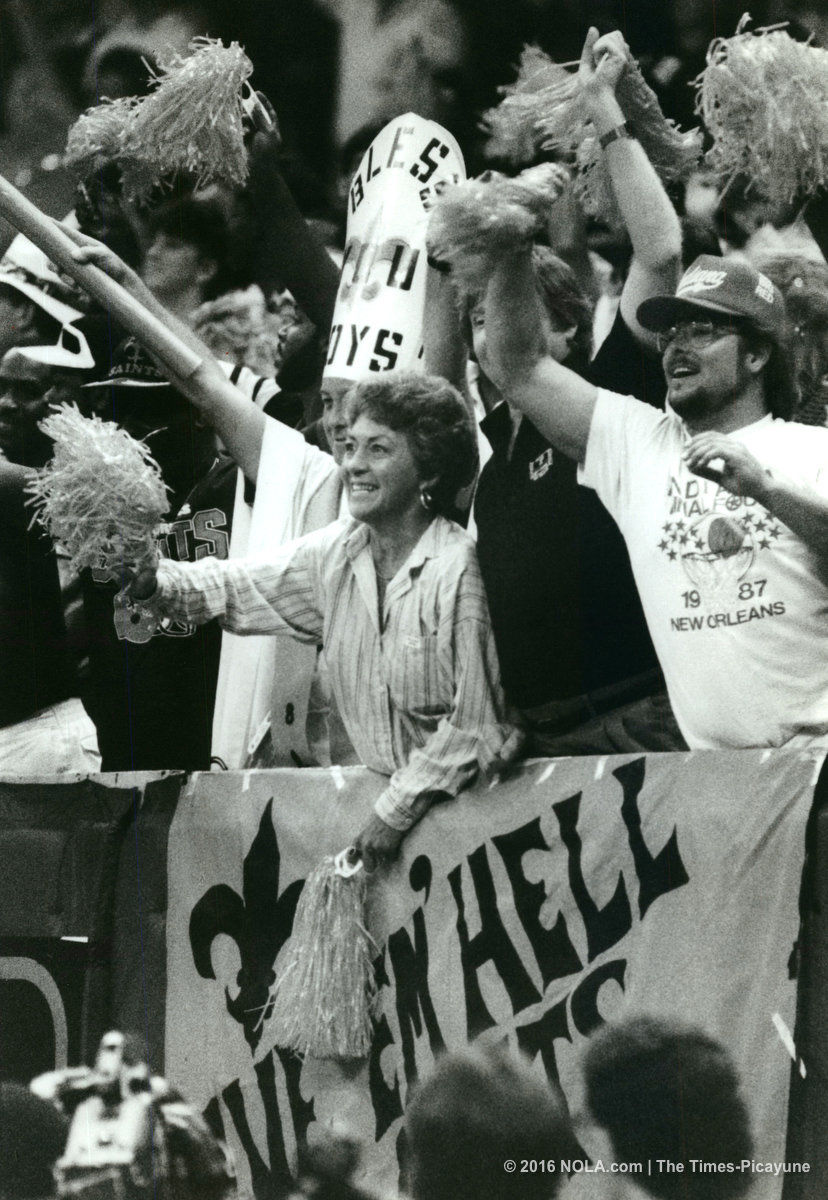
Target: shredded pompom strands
x=764 y=99
x=477 y=221
x=674 y=152
x=543 y=111
x=326 y=991
x=192 y=121
x=101 y=496
x=98 y=136
x=541 y=87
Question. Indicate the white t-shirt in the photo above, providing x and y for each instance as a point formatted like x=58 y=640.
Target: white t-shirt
x=737 y=604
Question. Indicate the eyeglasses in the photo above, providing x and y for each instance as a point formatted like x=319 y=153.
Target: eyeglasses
x=696 y=334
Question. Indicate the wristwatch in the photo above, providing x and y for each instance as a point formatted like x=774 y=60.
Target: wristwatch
x=615 y=134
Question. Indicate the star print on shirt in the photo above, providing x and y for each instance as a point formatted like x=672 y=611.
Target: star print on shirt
x=719 y=534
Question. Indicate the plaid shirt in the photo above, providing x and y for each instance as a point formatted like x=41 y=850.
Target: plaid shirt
x=418 y=689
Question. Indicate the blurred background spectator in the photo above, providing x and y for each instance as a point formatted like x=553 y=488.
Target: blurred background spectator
x=478 y=1108
x=32 y=1137
x=663 y=1090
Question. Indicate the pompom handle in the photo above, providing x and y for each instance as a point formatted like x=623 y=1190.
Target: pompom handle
x=348 y=862
x=134 y=622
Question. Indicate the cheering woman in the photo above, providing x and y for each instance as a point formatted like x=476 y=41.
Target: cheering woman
x=393 y=592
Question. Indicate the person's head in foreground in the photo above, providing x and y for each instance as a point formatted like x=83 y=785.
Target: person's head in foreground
x=724 y=346
x=408 y=450
x=32 y=1137
x=659 y=1089
x=479 y=1109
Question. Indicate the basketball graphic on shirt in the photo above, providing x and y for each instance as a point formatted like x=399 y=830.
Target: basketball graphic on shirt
x=716 y=551
x=725 y=537
x=718 y=548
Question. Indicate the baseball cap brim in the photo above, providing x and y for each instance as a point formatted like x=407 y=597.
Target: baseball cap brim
x=120 y=382
x=662 y=312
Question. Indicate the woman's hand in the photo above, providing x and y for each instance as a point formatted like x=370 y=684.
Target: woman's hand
x=144 y=584
x=377 y=844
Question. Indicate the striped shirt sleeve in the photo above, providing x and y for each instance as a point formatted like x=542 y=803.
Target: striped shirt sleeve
x=258 y=388
x=246 y=597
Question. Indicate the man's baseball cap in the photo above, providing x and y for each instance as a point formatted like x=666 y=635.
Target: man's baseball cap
x=719 y=285
x=131 y=367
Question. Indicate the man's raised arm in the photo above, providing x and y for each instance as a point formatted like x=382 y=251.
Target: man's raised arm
x=648 y=214
x=236 y=420
x=556 y=400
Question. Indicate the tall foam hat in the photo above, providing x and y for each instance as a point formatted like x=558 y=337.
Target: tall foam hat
x=378 y=318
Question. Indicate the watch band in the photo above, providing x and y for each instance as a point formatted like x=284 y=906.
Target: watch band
x=439 y=264
x=615 y=134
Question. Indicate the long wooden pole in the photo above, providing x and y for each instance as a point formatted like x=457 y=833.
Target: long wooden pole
x=50 y=238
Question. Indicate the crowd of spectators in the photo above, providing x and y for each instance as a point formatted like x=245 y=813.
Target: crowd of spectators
x=335 y=66
x=639 y=564
x=654 y=1091
x=644 y=564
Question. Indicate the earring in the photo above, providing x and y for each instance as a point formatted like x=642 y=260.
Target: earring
x=425 y=499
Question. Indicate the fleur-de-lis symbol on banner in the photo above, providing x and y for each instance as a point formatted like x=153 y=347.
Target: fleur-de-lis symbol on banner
x=260 y=922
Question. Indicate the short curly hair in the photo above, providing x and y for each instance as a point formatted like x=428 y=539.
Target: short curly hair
x=432 y=416
x=662 y=1089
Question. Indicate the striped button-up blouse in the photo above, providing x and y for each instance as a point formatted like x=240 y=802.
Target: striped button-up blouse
x=418 y=687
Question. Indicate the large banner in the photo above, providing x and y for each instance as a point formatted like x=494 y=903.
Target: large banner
x=530 y=912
